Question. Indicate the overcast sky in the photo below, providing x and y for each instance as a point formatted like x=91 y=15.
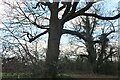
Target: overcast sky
x=109 y=3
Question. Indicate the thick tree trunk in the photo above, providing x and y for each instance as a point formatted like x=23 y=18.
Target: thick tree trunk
x=52 y=55
x=53 y=46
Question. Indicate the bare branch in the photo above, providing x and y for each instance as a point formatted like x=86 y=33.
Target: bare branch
x=94 y=25
x=101 y=17
x=42 y=3
x=17 y=39
x=87 y=7
x=33 y=22
x=74 y=7
x=78 y=34
x=74 y=14
x=32 y=39
x=42 y=26
x=68 y=6
x=82 y=13
x=110 y=53
x=62 y=7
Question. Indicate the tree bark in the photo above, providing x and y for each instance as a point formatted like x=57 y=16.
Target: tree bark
x=52 y=54
x=92 y=56
x=53 y=45
x=91 y=52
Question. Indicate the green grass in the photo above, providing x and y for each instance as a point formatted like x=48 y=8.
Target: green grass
x=15 y=75
x=78 y=75
x=60 y=75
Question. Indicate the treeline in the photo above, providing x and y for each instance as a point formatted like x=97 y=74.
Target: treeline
x=82 y=66
x=65 y=65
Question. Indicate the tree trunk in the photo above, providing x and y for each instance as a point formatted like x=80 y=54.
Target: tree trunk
x=53 y=46
x=102 y=52
x=91 y=54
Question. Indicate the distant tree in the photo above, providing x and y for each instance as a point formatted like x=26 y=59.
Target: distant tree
x=85 y=30
x=14 y=45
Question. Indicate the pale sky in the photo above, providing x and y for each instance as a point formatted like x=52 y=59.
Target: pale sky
x=110 y=5
x=1 y=12
x=1 y=8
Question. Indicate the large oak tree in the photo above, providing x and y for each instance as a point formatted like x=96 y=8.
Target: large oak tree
x=55 y=27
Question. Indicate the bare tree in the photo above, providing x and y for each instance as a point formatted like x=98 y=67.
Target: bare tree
x=85 y=30
x=49 y=11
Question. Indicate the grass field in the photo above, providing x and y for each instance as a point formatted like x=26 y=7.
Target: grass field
x=89 y=76
x=71 y=76
x=15 y=75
